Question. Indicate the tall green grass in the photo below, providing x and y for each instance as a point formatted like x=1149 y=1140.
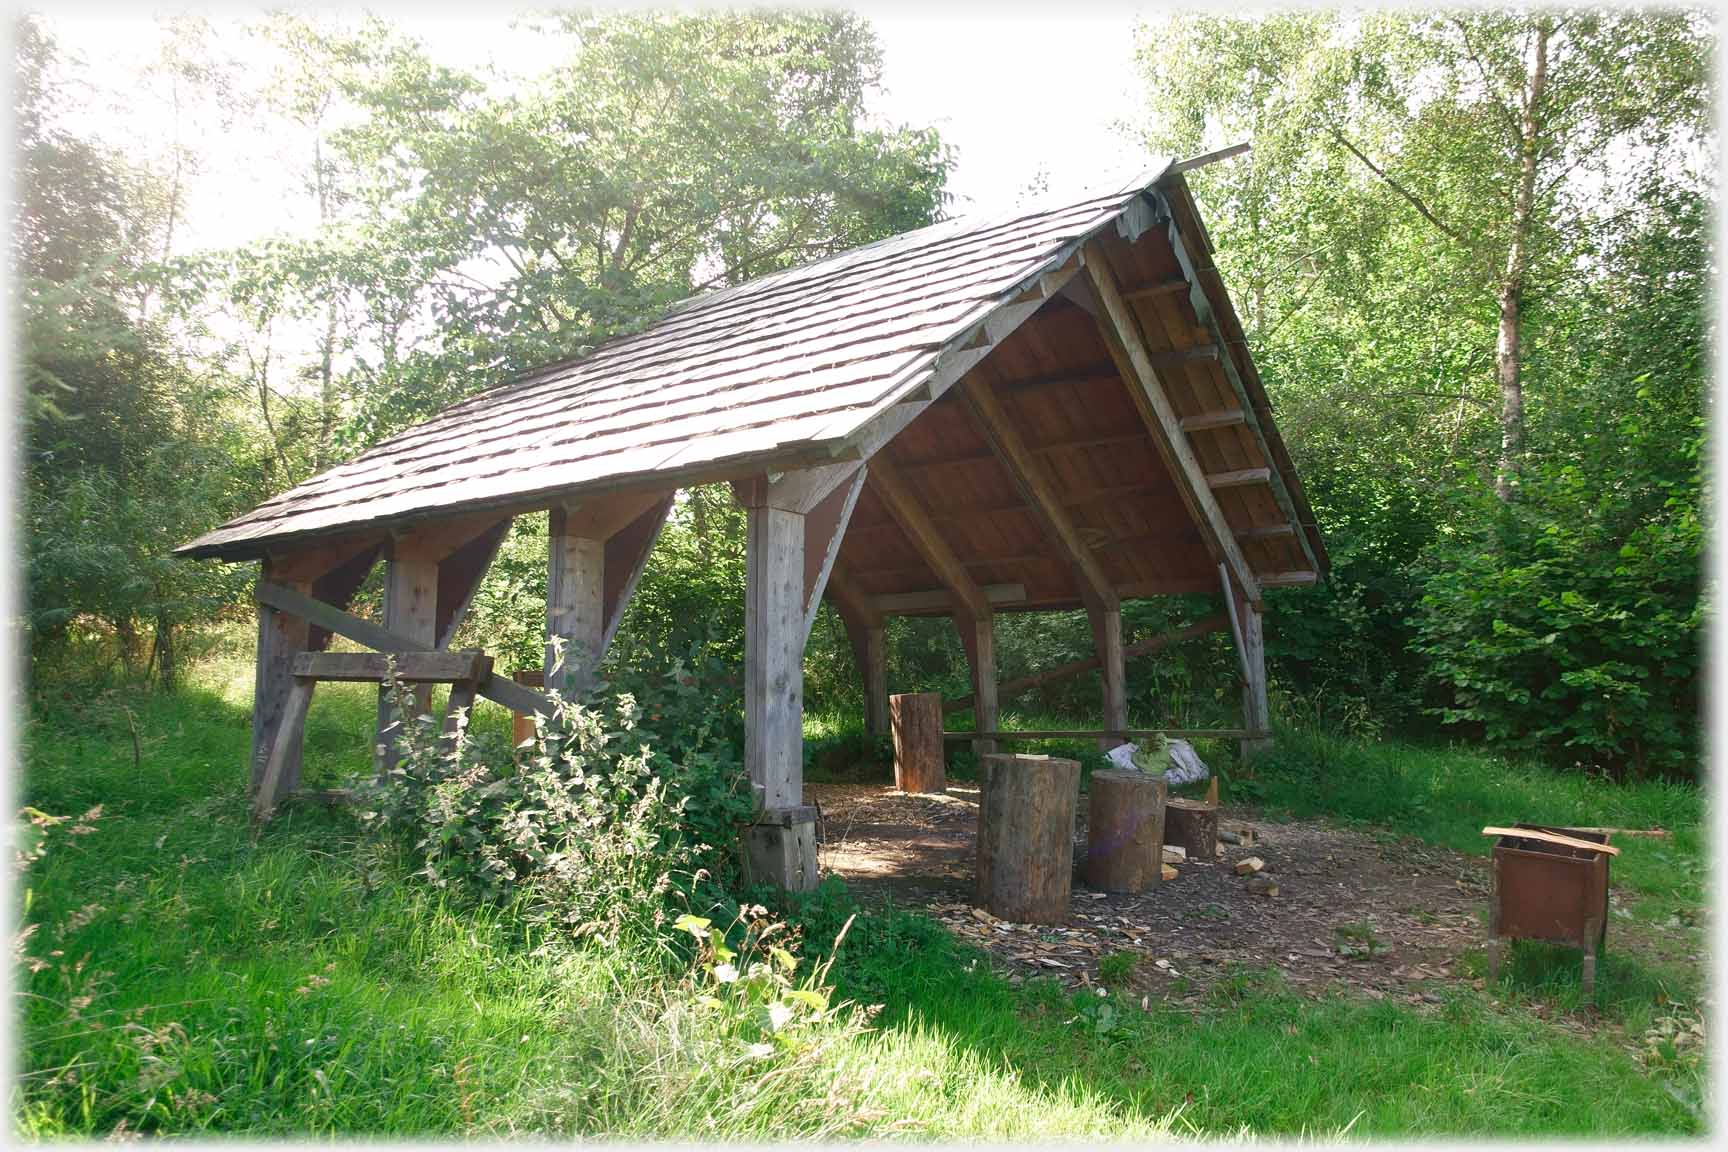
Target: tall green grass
x=195 y=979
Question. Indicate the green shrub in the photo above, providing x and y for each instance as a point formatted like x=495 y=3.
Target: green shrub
x=577 y=823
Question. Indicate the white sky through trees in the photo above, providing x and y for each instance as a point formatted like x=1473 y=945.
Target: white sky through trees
x=1026 y=95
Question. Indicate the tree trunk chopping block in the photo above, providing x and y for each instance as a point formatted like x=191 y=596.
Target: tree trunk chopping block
x=1192 y=824
x=1026 y=837
x=916 y=718
x=1125 y=831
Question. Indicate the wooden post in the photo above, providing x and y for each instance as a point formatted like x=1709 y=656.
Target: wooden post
x=1112 y=672
x=281 y=637
x=575 y=605
x=869 y=653
x=410 y=611
x=1125 y=830
x=1256 y=709
x=978 y=636
x=1026 y=837
x=917 y=722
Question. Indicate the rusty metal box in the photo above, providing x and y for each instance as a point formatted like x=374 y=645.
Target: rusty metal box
x=1553 y=892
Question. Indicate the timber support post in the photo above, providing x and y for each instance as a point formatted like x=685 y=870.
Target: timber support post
x=978 y=637
x=784 y=575
x=281 y=637
x=1112 y=669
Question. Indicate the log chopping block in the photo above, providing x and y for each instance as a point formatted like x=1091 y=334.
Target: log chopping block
x=1125 y=830
x=1192 y=825
x=916 y=720
x=1026 y=837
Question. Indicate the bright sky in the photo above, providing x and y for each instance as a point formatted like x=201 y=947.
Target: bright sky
x=1018 y=91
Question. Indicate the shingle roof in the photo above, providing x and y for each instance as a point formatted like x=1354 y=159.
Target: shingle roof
x=800 y=359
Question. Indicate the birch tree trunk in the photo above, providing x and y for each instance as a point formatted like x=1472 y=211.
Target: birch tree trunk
x=1507 y=365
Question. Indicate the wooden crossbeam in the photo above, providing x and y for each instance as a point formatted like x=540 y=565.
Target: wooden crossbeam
x=1174 y=356
x=1034 y=484
x=891 y=488
x=1265 y=532
x=1206 y=421
x=1288 y=579
x=441 y=667
x=1012 y=688
x=1158 y=288
x=1119 y=733
x=936 y=599
x=1128 y=348
x=500 y=689
x=1240 y=478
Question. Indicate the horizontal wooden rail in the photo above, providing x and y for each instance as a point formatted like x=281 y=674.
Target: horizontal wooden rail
x=499 y=689
x=1114 y=733
x=1012 y=688
x=411 y=667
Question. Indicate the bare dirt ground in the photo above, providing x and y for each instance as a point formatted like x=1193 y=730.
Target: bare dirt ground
x=1379 y=916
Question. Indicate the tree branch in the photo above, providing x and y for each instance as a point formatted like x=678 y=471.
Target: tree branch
x=1414 y=201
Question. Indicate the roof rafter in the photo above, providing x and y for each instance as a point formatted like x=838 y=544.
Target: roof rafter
x=897 y=497
x=1128 y=348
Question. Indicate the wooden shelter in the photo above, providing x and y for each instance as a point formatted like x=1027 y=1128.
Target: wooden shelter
x=1050 y=409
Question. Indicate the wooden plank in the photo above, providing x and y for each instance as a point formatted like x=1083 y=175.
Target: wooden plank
x=939 y=599
x=441 y=667
x=283 y=750
x=1208 y=421
x=1034 y=484
x=1552 y=838
x=1173 y=357
x=1127 y=346
x=1212 y=157
x=1240 y=478
x=914 y=520
x=773 y=655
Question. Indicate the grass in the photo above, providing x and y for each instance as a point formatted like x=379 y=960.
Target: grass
x=194 y=980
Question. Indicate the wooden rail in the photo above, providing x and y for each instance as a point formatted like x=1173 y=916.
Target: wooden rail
x=1114 y=733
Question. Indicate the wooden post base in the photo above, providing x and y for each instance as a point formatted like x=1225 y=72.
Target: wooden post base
x=780 y=849
x=1125 y=831
x=1192 y=825
x=1026 y=837
x=916 y=718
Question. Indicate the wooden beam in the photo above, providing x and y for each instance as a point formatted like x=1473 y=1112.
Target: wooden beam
x=441 y=667
x=575 y=600
x=1032 y=482
x=459 y=577
x=1206 y=158
x=627 y=553
x=1107 y=643
x=1174 y=356
x=411 y=610
x=891 y=488
x=1240 y=478
x=1012 y=688
x=284 y=752
x=1157 y=288
x=978 y=637
x=1265 y=532
x=936 y=599
x=1127 y=346
x=1100 y=733
x=288 y=601
x=1206 y=421
x=824 y=528
x=1288 y=579
x=773 y=655
x=870 y=655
